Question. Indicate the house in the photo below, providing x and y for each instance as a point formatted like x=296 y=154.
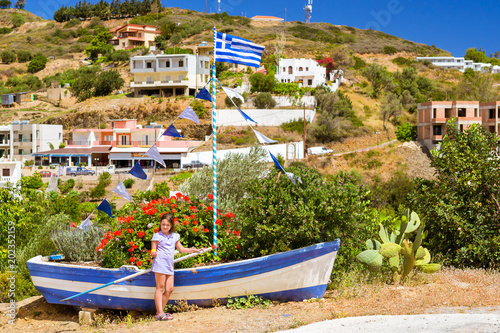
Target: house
x=459 y=63
x=129 y=36
x=123 y=144
x=20 y=139
x=433 y=116
x=10 y=172
x=306 y=72
x=168 y=75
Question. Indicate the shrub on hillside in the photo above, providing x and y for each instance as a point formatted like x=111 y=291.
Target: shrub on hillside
x=18 y=20
x=262 y=83
x=390 y=50
x=24 y=56
x=128 y=182
x=119 y=56
x=406 y=132
x=37 y=63
x=235 y=101
x=73 y=23
x=8 y=56
x=264 y=100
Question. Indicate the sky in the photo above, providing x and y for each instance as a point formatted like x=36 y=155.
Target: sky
x=453 y=26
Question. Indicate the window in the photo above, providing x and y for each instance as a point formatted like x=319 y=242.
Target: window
x=5 y=172
x=492 y=129
x=167 y=64
x=140 y=35
x=434 y=113
x=149 y=65
x=60 y=134
x=20 y=138
x=38 y=134
x=181 y=63
x=307 y=69
x=461 y=112
x=290 y=70
x=300 y=69
x=447 y=113
x=20 y=151
x=284 y=69
x=438 y=130
x=492 y=114
x=123 y=44
x=461 y=128
x=309 y=82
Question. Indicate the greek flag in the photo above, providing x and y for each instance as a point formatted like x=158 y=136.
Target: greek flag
x=237 y=50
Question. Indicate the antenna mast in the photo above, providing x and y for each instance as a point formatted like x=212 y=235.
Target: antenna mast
x=308 y=9
x=218 y=6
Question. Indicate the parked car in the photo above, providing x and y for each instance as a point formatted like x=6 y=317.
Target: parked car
x=194 y=164
x=46 y=173
x=78 y=171
x=318 y=151
x=112 y=169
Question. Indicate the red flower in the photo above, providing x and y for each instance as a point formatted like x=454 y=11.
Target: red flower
x=218 y=222
x=134 y=212
x=173 y=206
x=156 y=230
x=238 y=246
x=209 y=209
x=195 y=223
x=176 y=219
x=130 y=230
x=236 y=232
x=73 y=225
x=195 y=229
x=117 y=233
x=185 y=222
x=178 y=194
x=193 y=209
x=131 y=250
x=141 y=233
x=104 y=242
x=139 y=263
x=132 y=259
x=192 y=217
x=210 y=196
x=205 y=230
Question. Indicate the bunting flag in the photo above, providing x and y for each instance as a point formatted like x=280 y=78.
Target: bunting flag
x=155 y=155
x=292 y=177
x=236 y=50
x=278 y=165
x=172 y=131
x=245 y=115
x=231 y=93
x=137 y=171
x=105 y=207
x=189 y=113
x=86 y=224
x=204 y=94
x=122 y=191
x=263 y=139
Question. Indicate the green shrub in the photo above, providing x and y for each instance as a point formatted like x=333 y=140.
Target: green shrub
x=119 y=56
x=37 y=64
x=180 y=178
x=18 y=20
x=24 y=56
x=294 y=125
x=230 y=104
x=262 y=83
x=406 y=132
x=128 y=182
x=73 y=23
x=264 y=100
x=85 y=39
x=401 y=61
x=4 y=31
x=390 y=50
x=8 y=56
x=358 y=63
x=66 y=186
x=79 y=245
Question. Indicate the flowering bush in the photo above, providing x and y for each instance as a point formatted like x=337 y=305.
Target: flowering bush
x=129 y=241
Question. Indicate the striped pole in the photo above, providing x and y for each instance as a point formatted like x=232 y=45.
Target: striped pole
x=214 y=140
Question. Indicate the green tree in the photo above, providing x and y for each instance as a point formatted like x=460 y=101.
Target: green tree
x=5 y=4
x=378 y=76
x=37 y=63
x=476 y=55
x=18 y=20
x=477 y=86
x=98 y=45
x=232 y=174
x=262 y=83
x=393 y=107
x=24 y=56
x=264 y=100
x=107 y=82
x=406 y=132
x=20 y=4
x=8 y=56
x=461 y=206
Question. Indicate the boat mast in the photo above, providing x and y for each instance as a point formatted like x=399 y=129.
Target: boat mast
x=214 y=150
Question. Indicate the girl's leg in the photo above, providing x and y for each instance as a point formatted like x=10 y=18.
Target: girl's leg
x=160 y=286
x=169 y=287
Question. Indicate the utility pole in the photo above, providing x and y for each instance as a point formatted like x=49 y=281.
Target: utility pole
x=305 y=148
x=285 y=15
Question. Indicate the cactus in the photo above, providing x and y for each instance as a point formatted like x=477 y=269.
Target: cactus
x=397 y=244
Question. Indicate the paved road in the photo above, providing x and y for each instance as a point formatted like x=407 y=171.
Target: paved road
x=428 y=323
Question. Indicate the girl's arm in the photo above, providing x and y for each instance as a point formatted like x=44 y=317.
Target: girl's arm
x=183 y=249
x=154 y=246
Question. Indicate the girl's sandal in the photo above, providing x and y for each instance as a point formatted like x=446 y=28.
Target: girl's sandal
x=169 y=316
x=163 y=317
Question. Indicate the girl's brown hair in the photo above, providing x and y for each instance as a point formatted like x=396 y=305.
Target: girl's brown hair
x=170 y=219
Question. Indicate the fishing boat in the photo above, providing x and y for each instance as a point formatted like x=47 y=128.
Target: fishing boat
x=288 y=276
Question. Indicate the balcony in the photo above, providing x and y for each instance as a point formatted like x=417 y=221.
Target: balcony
x=162 y=83
x=5 y=143
x=22 y=140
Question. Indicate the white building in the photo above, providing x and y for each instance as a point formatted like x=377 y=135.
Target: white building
x=167 y=75
x=306 y=72
x=10 y=172
x=458 y=63
x=21 y=139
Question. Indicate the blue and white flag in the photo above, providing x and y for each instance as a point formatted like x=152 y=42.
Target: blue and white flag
x=122 y=191
x=105 y=207
x=278 y=165
x=262 y=138
x=292 y=177
x=85 y=224
x=237 y=50
x=247 y=117
x=231 y=93
x=137 y=171
x=155 y=155
x=204 y=94
x=189 y=113
x=172 y=131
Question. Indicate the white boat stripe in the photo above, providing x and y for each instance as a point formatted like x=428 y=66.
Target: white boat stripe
x=314 y=272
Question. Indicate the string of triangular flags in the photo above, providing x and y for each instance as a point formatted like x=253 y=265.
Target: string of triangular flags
x=154 y=153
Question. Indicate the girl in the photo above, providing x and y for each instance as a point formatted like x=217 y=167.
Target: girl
x=163 y=245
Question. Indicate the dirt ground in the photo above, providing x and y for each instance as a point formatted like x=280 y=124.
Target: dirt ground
x=449 y=291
